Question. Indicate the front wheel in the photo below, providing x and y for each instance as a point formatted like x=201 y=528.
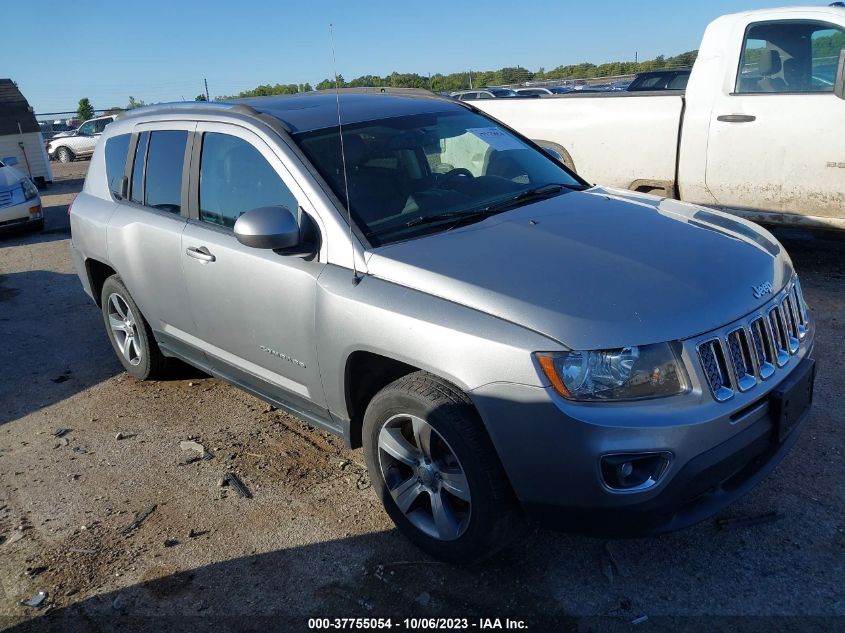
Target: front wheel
x=436 y=471
x=129 y=333
x=64 y=155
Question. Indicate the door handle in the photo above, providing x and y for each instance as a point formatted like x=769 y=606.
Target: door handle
x=201 y=253
x=736 y=118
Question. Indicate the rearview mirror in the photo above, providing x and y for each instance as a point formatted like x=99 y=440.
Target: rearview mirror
x=9 y=161
x=839 y=85
x=267 y=227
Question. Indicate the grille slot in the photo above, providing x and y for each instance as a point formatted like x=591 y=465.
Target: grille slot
x=5 y=198
x=741 y=359
x=778 y=336
x=791 y=323
x=713 y=361
x=800 y=310
x=763 y=348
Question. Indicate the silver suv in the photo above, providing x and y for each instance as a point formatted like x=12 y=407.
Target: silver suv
x=502 y=339
x=79 y=143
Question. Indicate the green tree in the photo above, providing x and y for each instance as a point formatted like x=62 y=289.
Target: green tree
x=135 y=104
x=200 y=98
x=85 y=110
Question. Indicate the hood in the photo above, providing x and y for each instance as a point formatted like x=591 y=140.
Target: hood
x=597 y=269
x=9 y=177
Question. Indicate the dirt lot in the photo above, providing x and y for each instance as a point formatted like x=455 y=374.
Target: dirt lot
x=101 y=509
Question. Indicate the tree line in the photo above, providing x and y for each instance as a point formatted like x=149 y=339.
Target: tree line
x=457 y=81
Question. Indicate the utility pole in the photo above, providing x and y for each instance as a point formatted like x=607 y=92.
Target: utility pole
x=636 y=56
x=470 y=79
x=205 y=81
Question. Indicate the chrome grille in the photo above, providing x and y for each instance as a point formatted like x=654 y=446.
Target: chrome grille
x=753 y=351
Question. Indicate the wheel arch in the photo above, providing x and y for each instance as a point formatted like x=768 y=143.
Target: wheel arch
x=97 y=273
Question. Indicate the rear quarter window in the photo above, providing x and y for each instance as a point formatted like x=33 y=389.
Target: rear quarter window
x=117 y=147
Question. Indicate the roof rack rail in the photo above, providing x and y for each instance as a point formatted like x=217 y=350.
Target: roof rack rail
x=191 y=105
x=381 y=89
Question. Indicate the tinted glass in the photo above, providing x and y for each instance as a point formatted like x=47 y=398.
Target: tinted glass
x=87 y=128
x=100 y=125
x=163 y=183
x=408 y=168
x=137 y=186
x=116 y=149
x=789 y=57
x=234 y=178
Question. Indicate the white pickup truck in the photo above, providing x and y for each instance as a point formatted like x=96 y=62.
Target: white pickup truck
x=759 y=131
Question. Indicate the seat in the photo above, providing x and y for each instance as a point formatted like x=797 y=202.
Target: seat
x=770 y=65
x=374 y=192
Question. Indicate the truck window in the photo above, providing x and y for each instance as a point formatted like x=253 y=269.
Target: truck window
x=234 y=178
x=116 y=149
x=163 y=181
x=789 y=57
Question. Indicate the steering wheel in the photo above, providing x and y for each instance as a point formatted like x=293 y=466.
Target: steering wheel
x=454 y=173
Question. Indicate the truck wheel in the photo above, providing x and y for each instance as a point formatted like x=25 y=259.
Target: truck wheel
x=129 y=333
x=64 y=155
x=435 y=469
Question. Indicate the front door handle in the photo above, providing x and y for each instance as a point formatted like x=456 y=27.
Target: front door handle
x=201 y=253
x=736 y=118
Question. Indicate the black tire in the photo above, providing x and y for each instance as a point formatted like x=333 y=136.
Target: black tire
x=494 y=518
x=149 y=363
x=64 y=155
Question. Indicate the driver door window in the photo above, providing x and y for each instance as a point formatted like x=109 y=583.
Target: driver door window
x=87 y=128
x=234 y=178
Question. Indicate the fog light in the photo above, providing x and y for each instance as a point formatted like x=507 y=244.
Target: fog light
x=633 y=472
x=35 y=211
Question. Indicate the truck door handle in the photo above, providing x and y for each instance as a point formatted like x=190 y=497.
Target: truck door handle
x=736 y=118
x=201 y=253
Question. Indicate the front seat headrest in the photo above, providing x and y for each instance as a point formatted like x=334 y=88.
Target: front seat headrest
x=769 y=62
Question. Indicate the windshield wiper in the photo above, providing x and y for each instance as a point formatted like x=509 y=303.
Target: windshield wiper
x=536 y=193
x=460 y=217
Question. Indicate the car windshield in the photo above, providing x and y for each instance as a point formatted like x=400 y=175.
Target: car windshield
x=414 y=175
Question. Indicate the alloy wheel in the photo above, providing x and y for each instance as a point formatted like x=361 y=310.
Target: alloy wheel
x=424 y=477
x=124 y=328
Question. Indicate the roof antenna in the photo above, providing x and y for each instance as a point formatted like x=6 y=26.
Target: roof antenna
x=355 y=279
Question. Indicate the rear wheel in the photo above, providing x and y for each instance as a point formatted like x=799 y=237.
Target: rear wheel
x=129 y=333
x=64 y=155
x=436 y=471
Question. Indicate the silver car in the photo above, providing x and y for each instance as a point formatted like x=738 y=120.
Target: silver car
x=502 y=339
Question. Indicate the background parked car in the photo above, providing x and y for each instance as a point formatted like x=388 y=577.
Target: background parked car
x=538 y=91
x=81 y=143
x=675 y=79
x=20 y=204
x=483 y=93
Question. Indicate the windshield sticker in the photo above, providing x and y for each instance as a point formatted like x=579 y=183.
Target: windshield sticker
x=496 y=138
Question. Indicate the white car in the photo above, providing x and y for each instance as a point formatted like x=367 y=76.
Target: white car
x=81 y=143
x=20 y=204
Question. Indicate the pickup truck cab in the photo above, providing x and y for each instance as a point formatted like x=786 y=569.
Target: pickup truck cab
x=758 y=131
x=501 y=339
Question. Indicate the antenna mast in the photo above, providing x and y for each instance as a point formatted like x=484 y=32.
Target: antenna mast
x=355 y=279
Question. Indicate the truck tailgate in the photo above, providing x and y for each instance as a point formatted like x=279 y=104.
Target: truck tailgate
x=613 y=139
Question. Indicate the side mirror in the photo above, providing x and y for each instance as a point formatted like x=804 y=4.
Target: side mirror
x=267 y=227
x=9 y=161
x=839 y=85
x=553 y=154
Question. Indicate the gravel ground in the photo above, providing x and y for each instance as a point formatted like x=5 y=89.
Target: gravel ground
x=101 y=509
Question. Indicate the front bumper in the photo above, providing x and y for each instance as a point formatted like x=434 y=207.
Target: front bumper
x=28 y=213
x=551 y=451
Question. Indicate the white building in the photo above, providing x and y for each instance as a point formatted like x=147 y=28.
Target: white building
x=20 y=135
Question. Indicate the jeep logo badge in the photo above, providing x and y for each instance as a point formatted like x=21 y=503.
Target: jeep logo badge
x=762 y=289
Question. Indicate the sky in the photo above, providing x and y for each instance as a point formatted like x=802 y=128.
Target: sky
x=161 y=50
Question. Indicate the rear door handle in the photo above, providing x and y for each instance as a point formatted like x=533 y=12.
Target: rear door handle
x=736 y=118
x=201 y=253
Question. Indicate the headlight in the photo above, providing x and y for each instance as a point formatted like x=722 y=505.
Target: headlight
x=30 y=191
x=629 y=373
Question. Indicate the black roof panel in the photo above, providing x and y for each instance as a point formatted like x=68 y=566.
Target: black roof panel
x=316 y=110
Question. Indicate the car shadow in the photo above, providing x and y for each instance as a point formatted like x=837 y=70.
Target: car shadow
x=54 y=344
x=56 y=227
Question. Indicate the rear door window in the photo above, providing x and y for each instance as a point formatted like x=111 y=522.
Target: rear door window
x=234 y=178
x=163 y=178
x=117 y=147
